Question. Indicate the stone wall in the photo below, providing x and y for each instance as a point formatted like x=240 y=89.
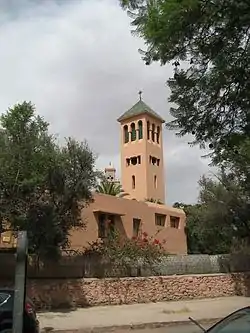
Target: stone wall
x=68 y=293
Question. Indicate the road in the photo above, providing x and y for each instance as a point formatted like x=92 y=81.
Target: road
x=175 y=328
x=168 y=329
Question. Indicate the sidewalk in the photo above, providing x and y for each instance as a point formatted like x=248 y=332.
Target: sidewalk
x=142 y=315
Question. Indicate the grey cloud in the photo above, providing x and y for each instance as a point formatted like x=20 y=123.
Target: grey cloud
x=77 y=61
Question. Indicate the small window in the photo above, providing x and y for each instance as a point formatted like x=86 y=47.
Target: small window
x=153 y=133
x=126 y=134
x=133 y=182
x=148 y=130
x=160 y=220
x=153 y=160
x=155 y=181
x=158 y=134
x=133 y=160
x=106 y=225
x=140 y=129
x=101 y=226
x=136 y=227
x=133 y=132
x=174 y=222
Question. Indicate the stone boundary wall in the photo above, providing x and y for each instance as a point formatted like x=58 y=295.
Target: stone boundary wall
x=72 y=293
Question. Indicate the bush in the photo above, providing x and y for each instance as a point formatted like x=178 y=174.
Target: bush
x=120 y=255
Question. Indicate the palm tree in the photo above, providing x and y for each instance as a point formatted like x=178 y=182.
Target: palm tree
x=154 y=201
x=109 y=188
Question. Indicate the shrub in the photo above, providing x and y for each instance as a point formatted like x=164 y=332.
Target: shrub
x=118 y=252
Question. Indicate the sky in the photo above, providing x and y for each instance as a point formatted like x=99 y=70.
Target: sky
x=77 y=61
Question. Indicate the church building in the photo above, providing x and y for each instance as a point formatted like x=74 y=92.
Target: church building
x=140 y=207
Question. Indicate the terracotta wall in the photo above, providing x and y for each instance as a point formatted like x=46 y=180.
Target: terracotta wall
x=125 y=210
x=84 y=292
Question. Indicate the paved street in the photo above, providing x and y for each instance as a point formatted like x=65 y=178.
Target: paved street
x=176 y=328
x=143 y=315
x=172 y=329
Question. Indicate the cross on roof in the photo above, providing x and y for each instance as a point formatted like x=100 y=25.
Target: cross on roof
x=140 y=93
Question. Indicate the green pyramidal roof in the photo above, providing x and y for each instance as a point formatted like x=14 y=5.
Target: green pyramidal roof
x=139 y=108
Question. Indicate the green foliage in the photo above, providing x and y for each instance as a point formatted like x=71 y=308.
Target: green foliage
x=122 y=252
x=209 y=43
x=43 y=186
x=220 y=221
x=109 y=188
x=154 y=201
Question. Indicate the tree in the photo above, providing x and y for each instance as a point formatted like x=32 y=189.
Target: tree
x=109 y=188
x=43 y=186
x=220 y=220
x=208 y=42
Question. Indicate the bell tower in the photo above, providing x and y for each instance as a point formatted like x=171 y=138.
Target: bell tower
x=142 y=169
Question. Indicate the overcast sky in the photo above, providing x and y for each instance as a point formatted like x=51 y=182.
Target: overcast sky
x=79 y=64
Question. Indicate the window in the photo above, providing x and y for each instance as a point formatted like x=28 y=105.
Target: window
x=237 y=321
x=155 y=181
x=148 y=130
x=133 y=182
x=158 y=134
x=133 y=132
x=106 y=225
x=154 y=161
x=153 y=133
x=134 y=160
x=160 y=220
x=140 y=129
x=126 y=134
x=136 y=227
x=101 y=226
x=174 y=222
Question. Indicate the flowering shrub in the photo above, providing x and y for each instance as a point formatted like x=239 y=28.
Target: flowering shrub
x=126 y=253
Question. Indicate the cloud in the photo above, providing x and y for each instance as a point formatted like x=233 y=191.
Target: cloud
x=78 y=63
